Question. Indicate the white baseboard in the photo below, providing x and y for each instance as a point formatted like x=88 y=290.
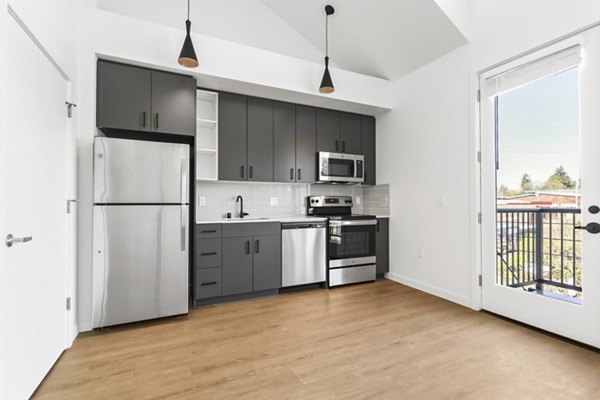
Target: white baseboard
x=444 y=294
x=85 y=326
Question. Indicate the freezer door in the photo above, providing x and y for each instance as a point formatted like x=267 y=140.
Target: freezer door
x=140 y=263
x=139 y=172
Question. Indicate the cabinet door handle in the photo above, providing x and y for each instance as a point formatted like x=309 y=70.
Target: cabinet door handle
x=247 y=247
x=242 y=171
x=337 y=145
x=156 y=125
x=210 y=231
x=214 y=253
x=144 y=119
x=256 y=247
x=208 y=283
x=250 y=172
x=377 y=225
x=343 y=146
x=291 y=174
x=299 y=174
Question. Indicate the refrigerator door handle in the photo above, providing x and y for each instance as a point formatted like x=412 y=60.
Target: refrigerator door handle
x=184 y=179
x=184 y=224
x=184 y=221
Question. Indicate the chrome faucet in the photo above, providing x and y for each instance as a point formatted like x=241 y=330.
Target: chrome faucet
x=240 y=200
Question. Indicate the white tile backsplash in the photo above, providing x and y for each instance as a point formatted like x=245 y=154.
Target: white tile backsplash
x=376 y=200
x=220 y=198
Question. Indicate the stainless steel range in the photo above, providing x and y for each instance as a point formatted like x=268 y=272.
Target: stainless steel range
x=351 y=238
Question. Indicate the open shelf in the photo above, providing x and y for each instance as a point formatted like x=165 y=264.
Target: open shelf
x=207 y=135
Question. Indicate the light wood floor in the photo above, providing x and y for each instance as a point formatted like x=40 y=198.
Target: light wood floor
x=371 y=341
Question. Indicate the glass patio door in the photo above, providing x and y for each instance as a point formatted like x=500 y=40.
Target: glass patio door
x=540 y=188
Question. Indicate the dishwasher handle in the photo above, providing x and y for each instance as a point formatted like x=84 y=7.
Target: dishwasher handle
x=304 y=225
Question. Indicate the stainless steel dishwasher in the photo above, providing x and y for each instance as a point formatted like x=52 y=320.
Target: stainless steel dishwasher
x=303 y=255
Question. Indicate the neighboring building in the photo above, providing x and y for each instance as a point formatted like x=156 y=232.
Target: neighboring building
x=565 y=198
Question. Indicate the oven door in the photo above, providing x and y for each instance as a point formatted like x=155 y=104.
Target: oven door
x=352 y=242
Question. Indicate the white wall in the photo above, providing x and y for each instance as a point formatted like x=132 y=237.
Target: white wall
x=425 y=146
x=223 y=65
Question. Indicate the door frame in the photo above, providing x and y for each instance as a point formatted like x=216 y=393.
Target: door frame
x=6 y=12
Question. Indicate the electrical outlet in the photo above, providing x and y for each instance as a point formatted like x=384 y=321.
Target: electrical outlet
x=442 y=200
x=201 y=201
x=274 y=201
x=357 y=200
x=420 y=252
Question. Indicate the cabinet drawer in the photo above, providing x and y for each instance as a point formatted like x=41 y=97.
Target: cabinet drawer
x=251 y=229
x=208 y=231
x=208 y=253
x=208 y=283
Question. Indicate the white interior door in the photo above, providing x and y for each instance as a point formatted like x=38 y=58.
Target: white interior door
x=556 y=285
x=33 y=274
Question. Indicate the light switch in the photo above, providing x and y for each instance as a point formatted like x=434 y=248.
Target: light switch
x=201 y=201
x=274 y=201
x=420 y=252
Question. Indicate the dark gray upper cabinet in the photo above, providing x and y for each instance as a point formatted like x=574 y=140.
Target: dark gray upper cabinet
x=124 y=97
x=260 y=140
x=284 y=142
x=368 y=149
x=140 y=99
x=306 y=144
x=383 y=245
x=328 y=131
x=350 y=133
x=237 y=265
x=267 y=262
x=173 y=103
x=232 y=137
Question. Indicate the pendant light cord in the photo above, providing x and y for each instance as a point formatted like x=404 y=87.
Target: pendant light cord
x=188 y=10
x=326 y=35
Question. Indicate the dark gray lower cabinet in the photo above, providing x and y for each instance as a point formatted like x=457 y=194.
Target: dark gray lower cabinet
x=383 y=245
x=236 y=259
x=208 y=283
x=237 y=265
x=267 y=262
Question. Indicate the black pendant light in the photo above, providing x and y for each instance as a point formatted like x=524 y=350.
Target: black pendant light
x=326 y=83
x=187 y=57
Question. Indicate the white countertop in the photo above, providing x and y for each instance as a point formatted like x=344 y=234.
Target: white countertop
x=382 y=216
x=299 y=218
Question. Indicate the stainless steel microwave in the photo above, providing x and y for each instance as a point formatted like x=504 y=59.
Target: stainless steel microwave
x=341 y=168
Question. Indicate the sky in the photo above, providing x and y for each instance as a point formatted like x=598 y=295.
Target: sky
x=538 y=127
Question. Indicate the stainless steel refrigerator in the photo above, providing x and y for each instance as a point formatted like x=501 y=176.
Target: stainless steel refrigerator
x=140 y=234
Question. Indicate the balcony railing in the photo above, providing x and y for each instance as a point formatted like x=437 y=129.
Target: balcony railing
x=539 y=250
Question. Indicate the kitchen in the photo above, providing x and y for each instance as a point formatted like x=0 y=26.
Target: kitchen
x=259 y=199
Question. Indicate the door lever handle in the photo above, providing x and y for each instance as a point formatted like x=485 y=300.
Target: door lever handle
x=592 y=227
x=10 y=239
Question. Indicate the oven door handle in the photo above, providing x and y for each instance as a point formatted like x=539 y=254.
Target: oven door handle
x=353 y=223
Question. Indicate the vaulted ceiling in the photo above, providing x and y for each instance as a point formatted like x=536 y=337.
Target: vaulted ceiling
x=381 y=38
